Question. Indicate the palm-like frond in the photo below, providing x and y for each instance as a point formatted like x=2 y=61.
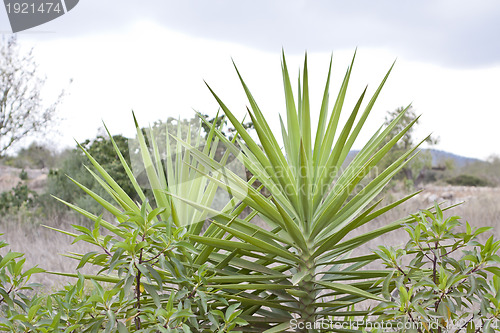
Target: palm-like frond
x=313 y=207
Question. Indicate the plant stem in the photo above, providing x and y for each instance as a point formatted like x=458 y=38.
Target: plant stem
x=138 y=293
x=434 y=266
x=307 y=307
x=414 y=321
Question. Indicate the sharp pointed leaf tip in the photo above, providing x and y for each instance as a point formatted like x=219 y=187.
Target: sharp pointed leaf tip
x=106 y=127
x=135 y=120
x=234 y=63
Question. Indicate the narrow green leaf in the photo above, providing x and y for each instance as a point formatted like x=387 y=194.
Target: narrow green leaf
x=350 y=290
x=258 y=243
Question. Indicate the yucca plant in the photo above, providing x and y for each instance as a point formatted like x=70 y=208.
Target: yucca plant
x=299 y=269
x=295 y=270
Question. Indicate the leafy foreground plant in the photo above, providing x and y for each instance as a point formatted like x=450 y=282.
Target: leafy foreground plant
x=151 y=292
x=147 y=281
x=14 y=286
x=17 y=197
x=451 y=283
x=147 y=257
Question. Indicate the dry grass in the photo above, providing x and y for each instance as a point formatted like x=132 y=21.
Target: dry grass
x=479 y=206
x=43 y=247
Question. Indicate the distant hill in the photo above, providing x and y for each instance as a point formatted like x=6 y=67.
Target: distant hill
x=438 y=157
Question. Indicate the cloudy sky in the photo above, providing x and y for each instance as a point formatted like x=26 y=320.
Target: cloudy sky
x=152 y=57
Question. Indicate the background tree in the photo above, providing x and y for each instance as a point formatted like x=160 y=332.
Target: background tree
x=75 y=165
x=22 y=111
x=221 y=122
x=414 y=172
x=35 y=156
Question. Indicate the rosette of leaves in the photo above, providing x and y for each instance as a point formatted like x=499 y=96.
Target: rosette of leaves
x=298 y=266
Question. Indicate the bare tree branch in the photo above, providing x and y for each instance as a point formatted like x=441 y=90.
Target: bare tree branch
x=22 y=111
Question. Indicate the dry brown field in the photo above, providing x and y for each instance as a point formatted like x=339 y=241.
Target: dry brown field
x=45 y=247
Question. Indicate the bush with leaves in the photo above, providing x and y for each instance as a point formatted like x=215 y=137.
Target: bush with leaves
x=152 y=291
x=36 y=156
x=15 y=303
x=17 y=197
x=443 y=280
x=467 y=180
x=144 y=288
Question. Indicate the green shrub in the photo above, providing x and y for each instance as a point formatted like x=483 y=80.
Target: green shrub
x=296 y=267
x=144 y=288
x=443 y=279
x=467 y=180
x=17 y=197
x=23 y=175
x=14 y=285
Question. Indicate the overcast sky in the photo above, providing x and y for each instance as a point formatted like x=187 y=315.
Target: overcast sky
x=152 y=57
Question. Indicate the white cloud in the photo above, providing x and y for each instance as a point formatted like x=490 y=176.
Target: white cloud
x=456 y=33
x=137 y=64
